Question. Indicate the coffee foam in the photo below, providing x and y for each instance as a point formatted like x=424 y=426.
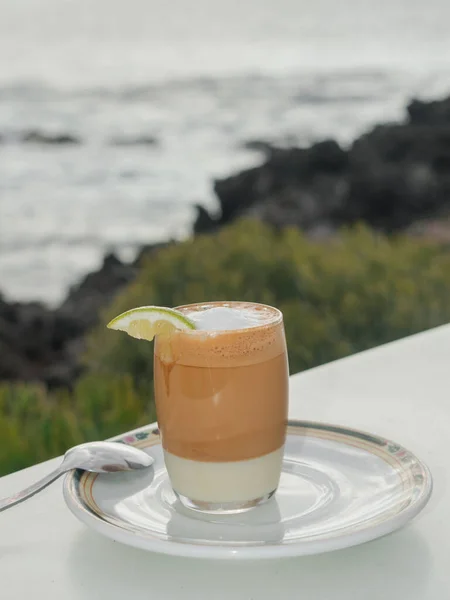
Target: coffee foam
x=227 y=318
x=261 y=340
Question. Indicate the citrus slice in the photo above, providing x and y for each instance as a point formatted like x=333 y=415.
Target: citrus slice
x=145 y=322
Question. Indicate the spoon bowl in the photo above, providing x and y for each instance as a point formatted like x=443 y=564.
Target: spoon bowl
x=105 y=457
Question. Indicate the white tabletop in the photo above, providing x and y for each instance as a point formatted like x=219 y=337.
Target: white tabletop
x=400 y=391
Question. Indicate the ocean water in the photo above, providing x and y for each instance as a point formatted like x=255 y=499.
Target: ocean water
x=200 y=76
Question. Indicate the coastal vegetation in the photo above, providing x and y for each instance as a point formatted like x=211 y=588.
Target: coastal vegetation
x=347 y=294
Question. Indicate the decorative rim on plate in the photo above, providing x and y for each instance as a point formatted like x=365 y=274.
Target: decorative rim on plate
x=78 y=493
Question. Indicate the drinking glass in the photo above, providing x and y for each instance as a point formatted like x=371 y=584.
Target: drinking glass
x=222 y=405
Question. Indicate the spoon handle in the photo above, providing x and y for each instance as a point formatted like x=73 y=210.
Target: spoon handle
x=31 y=490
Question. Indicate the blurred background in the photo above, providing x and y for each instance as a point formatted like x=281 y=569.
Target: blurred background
x=291 y=152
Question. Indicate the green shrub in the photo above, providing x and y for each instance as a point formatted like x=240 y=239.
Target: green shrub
x=36 y=425
x=340 y=297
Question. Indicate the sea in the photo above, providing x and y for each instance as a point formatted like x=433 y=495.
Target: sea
x=200 y=77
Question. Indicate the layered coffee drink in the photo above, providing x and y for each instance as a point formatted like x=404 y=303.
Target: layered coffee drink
x=221 y=394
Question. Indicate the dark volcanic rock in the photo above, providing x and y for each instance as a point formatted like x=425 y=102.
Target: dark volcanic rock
x=204 y=222
x=436 y=112
x=259 y=146
x=34 y=344
x=85 y=300
x=401 y=145
x=39 y=137
x=389 y=198
x=145 y=140
x=389 y=178
x=294 y=186
x=39 y=344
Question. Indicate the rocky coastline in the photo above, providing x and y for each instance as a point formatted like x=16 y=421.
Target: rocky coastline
x=393 y=178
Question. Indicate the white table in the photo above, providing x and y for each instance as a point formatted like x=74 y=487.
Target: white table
x=401 y=391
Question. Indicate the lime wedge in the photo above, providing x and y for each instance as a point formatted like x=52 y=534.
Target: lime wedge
x=145 y=322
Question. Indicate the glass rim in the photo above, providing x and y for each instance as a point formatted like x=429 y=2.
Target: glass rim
x=278 y=318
